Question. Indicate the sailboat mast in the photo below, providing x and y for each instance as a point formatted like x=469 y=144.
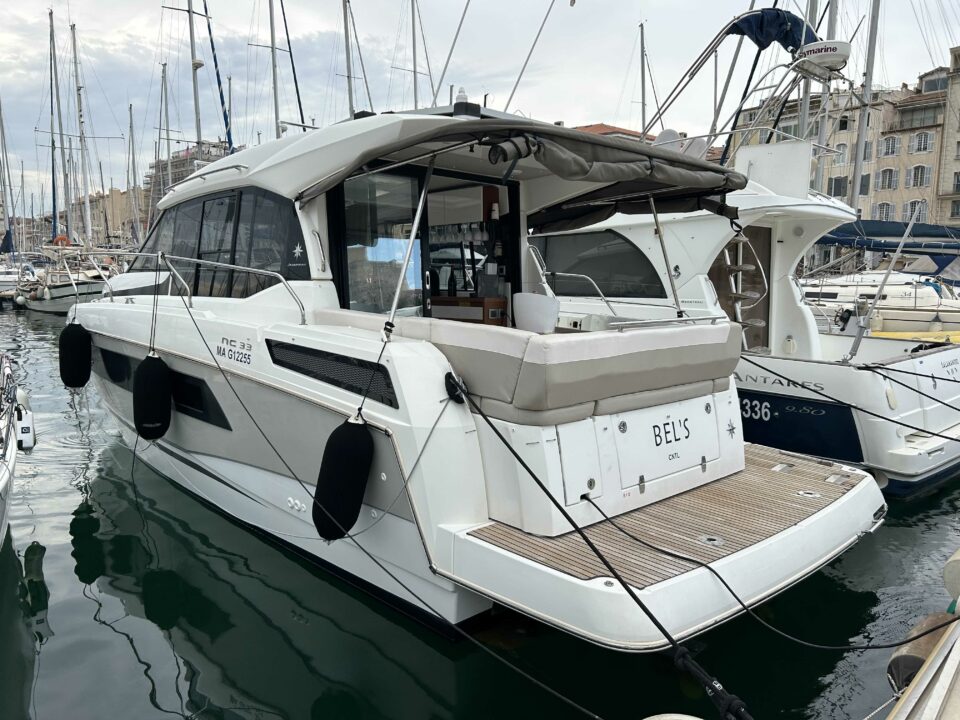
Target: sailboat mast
x=106 y=215
x=53 y=146
x=4 y=201
x=346 y=47
x=134 y=195
x=854 y=184
x=165 y=94
x=293 y=66
x=413 y=33
x=812 y=10
x=195 y=64
x=643 y=79
x=88 y=237
x=273 y=70
x=227 y=117
x=63 y=149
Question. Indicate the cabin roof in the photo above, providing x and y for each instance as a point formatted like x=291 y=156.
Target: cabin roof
x=304 y=165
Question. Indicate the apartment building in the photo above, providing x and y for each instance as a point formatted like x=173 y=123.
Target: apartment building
x=911 y=157
x=182 y=163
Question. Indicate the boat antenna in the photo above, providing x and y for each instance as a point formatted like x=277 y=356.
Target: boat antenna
x=293 y=65
x=216 y=71
x=446 y=64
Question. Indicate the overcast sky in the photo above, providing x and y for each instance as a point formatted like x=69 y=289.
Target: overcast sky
x=584 y=69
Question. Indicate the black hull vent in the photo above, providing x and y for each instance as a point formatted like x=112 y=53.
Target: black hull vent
x=342 y=371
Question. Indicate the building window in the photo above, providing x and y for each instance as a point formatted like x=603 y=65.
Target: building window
x=868 y=150
x=865 y=184
x=844 y=123
x=911 y=207
x=955 y=209
x=891 y=146
x=958 y=150
x=887 y=179
x=935 y=84
x=956 y=182
x=920 y=143
x=919 y=117
x=841 y=156
x=883 y=211
x=919 y=176
x=837 y=186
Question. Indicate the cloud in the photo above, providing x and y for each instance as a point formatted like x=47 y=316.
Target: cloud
x=581 y=71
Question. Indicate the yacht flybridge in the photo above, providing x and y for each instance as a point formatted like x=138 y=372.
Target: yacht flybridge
x=313 y=308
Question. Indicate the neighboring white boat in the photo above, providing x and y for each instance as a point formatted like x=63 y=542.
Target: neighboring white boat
x=908 y=303
x=16 y=434
x=272 y=354
x=789 y=371
x=58 y=288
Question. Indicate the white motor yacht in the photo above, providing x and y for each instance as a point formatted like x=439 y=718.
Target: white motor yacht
x=288 y=295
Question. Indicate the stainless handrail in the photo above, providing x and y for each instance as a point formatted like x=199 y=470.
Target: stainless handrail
x=627 y=324
x=323 y=255
x=255 y=271
x=76 y=290
x=203 y=176
x=173 y=271
x=161 y=256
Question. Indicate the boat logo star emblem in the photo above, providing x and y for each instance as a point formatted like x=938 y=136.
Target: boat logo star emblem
x=731 y=428
x=298 y=251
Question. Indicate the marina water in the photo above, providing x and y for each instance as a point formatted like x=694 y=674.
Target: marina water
x=123 y=596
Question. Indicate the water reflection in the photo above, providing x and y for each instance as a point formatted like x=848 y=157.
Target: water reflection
x=255 y=628
x=24 y=628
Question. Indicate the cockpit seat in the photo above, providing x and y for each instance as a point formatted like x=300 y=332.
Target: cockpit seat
x=532 y=379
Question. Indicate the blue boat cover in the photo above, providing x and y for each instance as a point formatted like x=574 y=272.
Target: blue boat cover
x=769 y=25
x=885 y=235
x=6 y=245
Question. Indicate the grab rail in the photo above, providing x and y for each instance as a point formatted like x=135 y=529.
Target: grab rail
x=203 y=176
x=542 y=268
x=165 y=259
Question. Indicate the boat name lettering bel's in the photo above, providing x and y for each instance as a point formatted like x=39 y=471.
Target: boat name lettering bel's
x=669 y=432
x=235 y=350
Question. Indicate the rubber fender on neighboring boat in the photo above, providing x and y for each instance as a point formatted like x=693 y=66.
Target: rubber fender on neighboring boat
x=26 y=432
x=907 y=660
x=342 y=480
x=152 y=397
x=76 y=355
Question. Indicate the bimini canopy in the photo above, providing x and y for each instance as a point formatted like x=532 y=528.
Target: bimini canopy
x=767 y=26
x=572 y=177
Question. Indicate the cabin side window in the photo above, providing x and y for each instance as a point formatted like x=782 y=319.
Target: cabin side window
x=248 y=228
x=617 y=266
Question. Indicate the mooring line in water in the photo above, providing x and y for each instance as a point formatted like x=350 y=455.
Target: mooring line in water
x=463 y=633
x=849 y=405
x=726 y=703
x=787 y=636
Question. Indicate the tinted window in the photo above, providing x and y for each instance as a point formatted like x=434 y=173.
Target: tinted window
x=268 y=238
x=379 y=212
x=216 y=245
x=248 y=228
x=618 y=267
x=186 y=236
